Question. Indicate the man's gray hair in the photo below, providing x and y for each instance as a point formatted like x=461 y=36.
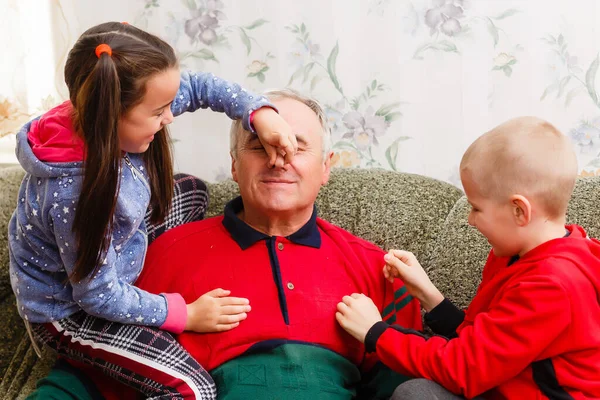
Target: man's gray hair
x=236 y=126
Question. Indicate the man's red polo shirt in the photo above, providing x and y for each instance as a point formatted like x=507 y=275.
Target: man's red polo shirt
x=293 y=283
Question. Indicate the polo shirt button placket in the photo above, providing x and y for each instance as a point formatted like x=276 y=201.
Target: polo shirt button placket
x=280 y=246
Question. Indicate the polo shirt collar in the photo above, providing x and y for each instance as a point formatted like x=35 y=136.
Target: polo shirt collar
x=245 y=236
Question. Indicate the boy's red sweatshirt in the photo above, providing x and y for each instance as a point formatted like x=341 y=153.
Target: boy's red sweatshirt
x=531 y=332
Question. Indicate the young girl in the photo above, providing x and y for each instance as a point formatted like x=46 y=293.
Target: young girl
x=78 y=238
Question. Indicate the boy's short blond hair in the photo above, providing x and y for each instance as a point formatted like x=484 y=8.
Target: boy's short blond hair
x=526 y=156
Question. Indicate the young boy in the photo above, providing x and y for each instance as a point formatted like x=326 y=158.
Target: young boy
x=533 y=329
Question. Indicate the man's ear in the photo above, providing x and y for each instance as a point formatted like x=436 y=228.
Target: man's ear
x=521 y=209
x=233 y=170
x=326 y=168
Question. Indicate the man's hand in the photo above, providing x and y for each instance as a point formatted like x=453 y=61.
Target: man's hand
x=404 y=265
x=357 y=314
x=215 y=312
x=275 y=135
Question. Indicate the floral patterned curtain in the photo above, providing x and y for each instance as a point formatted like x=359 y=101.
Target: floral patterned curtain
x=407 y=84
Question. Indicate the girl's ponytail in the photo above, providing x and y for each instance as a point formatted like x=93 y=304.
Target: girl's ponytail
x=98 y=108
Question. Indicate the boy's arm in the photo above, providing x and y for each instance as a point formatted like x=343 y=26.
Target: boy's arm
x=378 y=380
x=497 y=346
x=204 y=90
x=441 y=315
x=444 y=319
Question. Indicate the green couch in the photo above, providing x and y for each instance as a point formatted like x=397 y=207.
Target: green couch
x=393 y=210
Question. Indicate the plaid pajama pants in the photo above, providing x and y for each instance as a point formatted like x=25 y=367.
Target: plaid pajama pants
x=146 y=358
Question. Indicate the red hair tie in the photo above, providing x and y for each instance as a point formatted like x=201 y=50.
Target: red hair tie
x=103 y=48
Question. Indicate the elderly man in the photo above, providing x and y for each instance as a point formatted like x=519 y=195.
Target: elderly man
x=271 y=248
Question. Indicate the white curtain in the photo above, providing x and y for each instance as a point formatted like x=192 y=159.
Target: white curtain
x=407 y=84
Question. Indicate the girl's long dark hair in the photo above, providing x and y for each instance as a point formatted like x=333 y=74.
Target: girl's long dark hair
x=102 y=90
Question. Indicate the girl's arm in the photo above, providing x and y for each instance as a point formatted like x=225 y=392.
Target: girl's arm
x=204 y=90
x=107 y=295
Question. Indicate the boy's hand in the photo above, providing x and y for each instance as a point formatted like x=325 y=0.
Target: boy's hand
x=357 y=314
x=275 y=135
x=215 y=312
x=404 y=265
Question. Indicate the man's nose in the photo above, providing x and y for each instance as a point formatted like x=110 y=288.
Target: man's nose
x=279 y=163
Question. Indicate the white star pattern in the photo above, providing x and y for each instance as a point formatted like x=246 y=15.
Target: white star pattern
x=54 y=205
x=65 y=220
x=118 y=247
x=66 y=210
x=128 y=315
x=28 y=227
x=153 y=320
x=101 y=295
x=55 y=194
x=61 y=250
x=139 y=319
x=34 y=212
x=110 y=285
x=233 y=96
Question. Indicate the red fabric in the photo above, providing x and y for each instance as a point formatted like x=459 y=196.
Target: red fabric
x=52 y=137
x=201 y=256
x=107 y=386
x=544 y=306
